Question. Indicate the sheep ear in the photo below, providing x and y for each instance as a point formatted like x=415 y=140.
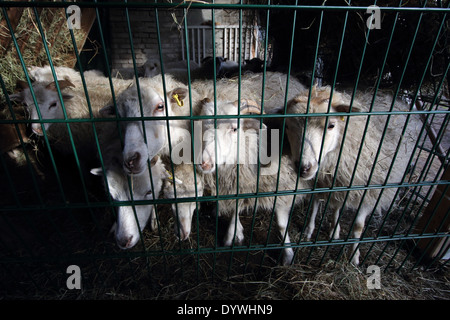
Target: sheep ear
x=207 y=106
x=154 y=160
x=22 y=85
x=205 y=101
x=61 y=83
x=51 y=86
x=345 y=108
x=108 y=111
x=97 y=171
x=177 y=95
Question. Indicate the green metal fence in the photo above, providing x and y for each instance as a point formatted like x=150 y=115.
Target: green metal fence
x=54 y=215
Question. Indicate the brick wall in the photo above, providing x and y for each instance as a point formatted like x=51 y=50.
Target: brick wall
x=145 y=41
x=143 y=29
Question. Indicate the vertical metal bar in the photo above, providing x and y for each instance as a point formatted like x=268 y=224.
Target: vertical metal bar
x=229 y=43
x=237 y=208
x=192 y=148
x=193 y=44
x=198 y=46
x=258 y=173
x=158 y=33
x=183 y=38
x=216 y=231
x=245 y=43
x=273 y=213
x=133 y=56
x=235 y=42
x=255 y=30
x=319 y=32
x=204 y=46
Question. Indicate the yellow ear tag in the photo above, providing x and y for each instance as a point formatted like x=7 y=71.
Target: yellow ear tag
x=170 y=177
x=177 y=99
x=342 y=118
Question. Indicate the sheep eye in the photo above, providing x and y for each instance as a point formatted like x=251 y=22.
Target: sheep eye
x=330 y=125
x=53 y=105
x=160 y=106
x=149 y=193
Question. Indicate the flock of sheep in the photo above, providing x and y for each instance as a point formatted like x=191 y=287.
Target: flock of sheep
x=146 y=154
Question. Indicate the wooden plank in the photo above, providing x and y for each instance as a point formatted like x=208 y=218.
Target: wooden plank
x=432 y=220
x=14 y=15
x=88 y=16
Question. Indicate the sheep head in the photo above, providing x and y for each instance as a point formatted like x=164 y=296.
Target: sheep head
x=139 y=147
x=131 y=220
x=321 y=134
x=49 y=105
x=183 y=179
x=228 y=134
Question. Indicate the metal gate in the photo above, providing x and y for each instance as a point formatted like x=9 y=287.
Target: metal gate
x=56 y=217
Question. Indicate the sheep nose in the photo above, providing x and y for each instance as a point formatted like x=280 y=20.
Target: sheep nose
x=125 y=243
x=181 y=232
x=206 y=166
x=304 y=169
x=131 y=162
x=37 y=130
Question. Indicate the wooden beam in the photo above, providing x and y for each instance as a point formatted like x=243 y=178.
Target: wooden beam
x=88 y=16
x=436 y=219
x=14 y=15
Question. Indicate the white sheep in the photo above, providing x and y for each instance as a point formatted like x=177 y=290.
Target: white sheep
x=185 y=187
x=138 y=147
x=310 y=166
x=131 y=219
x=251 y=88
x=75 y=104
x=228 y=164
x=44 y=74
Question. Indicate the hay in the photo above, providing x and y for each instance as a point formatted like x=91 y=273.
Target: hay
x=170 y=270
x=41 y=243
x=59 y=42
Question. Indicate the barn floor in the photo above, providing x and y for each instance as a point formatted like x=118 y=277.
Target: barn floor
x=38 y=245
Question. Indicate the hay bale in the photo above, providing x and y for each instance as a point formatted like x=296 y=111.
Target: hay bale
x=30 y=43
